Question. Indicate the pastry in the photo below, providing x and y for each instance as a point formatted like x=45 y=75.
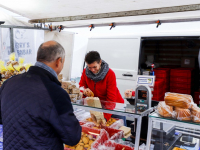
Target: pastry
x=165 y=110
x=66 y=84
x=75 y=90
x=126 y=130
x=178 y=100
x=182 y=114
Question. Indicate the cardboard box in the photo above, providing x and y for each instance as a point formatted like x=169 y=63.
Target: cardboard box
x=187 y=62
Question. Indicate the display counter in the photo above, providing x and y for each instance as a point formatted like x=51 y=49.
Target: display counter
x=117 y=109
x=171 y=134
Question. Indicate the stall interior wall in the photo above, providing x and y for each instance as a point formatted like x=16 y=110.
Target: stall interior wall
x=168 y=52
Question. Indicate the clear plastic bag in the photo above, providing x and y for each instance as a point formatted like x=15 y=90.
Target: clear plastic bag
x=178 y=100
x=164 y=110
x=195 y=111
x=112 y=145
x=182 y=114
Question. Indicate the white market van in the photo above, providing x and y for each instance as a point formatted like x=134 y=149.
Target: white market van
x=127 y=54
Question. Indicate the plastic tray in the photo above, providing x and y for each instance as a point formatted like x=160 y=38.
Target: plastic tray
x=162 y=72
x=181 y=72
x=161 y=98
x=182 y=91
x=159 y=84
x=179 y=85
x=180 y=80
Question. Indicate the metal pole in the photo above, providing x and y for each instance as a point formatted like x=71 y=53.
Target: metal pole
x=11 y=40
x=137 y=138
x=150 y=127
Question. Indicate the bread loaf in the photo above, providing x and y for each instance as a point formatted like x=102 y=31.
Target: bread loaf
x=178 y=100
x=195 y=111
x=65 y=84
x=165 y=110
x=182 y=114
x=75 y=90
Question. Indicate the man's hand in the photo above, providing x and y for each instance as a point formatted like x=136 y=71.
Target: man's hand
x=87 y=92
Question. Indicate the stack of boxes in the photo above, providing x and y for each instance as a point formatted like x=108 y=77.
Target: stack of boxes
x=159 y=91
x=181 y=80
x=163 y=74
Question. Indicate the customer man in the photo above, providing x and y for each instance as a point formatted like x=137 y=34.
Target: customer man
x=101 y=80
x=36 y=112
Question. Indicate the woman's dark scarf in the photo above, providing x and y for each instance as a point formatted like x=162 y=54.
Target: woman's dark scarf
x=100 y=75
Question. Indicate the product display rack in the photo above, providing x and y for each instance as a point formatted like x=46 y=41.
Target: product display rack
x=120 y=112
x=186 y=127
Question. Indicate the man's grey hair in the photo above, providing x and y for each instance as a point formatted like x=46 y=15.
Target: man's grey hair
x=50 y=53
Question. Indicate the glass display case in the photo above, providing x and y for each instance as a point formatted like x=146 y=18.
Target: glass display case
x=172 y=134
x=117 y=109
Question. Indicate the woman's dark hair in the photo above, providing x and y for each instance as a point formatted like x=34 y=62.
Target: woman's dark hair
x=92 y=56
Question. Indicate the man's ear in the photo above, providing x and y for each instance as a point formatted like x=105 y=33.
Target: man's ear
x=58 y=61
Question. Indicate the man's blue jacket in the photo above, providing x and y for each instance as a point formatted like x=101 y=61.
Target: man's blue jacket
x=37 y=113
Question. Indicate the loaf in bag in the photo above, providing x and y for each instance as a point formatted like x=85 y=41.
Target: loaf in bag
x=164 y=110
x=178 y=100
x=182 y=114
x=195 y=111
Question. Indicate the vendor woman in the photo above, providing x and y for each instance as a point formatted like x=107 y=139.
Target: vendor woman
x=101 y=80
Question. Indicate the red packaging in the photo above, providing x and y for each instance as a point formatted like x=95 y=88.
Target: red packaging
x=181 y=72
x=115 y=146
x=197 y=97
x=114 y=133
x=180 y=80
x=102 y=136
x=81 y=123
x=182 y=91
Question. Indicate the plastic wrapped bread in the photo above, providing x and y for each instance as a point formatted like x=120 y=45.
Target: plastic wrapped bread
x=195 y=111
x=178 y=100
x=182 y=114
x=164 y=110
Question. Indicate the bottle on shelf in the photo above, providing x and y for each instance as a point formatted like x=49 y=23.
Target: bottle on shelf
x=151 y=73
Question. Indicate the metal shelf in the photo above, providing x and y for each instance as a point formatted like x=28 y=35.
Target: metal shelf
x=154 y=117
x=122 y=113
x=116 y=112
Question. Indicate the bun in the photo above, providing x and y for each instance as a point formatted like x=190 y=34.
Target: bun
x=178 y=100
x=182 y=114
x=164 y=110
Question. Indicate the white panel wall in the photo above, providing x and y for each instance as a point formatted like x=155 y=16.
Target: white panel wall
x=66 y=39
